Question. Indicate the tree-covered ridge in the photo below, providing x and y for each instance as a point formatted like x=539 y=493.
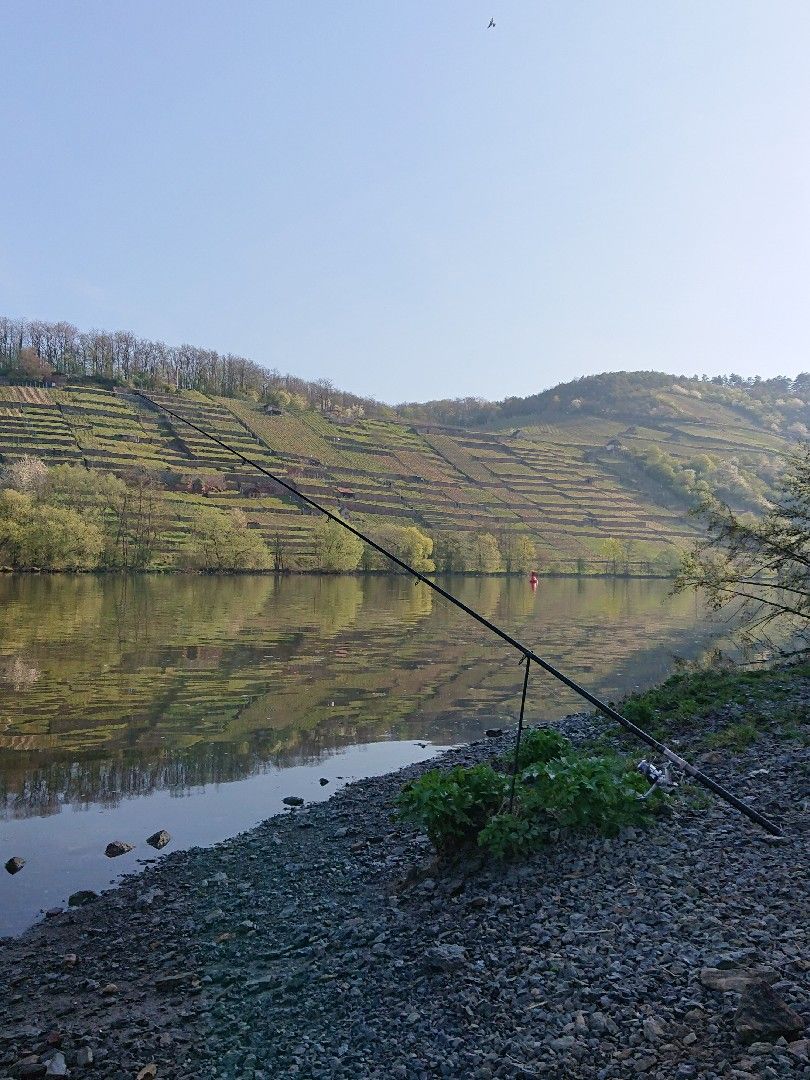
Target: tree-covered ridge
x=36 y=350
x=779 y=404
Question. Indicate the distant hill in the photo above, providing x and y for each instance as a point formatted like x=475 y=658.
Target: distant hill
x=599 y=472
x=779 y=405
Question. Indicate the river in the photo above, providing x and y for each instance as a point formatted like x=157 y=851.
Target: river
x=196 y=704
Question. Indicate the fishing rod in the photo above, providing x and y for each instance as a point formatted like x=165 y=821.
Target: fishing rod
x=529 y=656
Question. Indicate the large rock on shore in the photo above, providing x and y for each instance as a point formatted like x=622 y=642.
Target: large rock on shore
x=764 y=1017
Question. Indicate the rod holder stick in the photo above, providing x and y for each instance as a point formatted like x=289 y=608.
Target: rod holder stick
x=525 y=661
x=528 y=654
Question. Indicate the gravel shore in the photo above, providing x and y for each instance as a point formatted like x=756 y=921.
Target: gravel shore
x=325 y=943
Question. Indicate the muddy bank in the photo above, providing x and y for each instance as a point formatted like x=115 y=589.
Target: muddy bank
x=323 y=944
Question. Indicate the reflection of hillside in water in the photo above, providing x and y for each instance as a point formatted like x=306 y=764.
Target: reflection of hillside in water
x=167 y=683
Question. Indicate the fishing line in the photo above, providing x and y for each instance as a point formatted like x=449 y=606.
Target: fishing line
x=528 y=654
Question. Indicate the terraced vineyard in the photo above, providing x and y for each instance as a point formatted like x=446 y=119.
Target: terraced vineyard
x=563 y=484
x=32 y=422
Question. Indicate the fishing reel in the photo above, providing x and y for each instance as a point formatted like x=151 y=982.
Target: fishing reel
x=659 y=778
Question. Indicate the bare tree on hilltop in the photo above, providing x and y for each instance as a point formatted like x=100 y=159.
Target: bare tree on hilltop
x=31 y=349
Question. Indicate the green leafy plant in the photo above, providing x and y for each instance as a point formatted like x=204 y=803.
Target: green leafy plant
x=573 y=790
x=585 y=792
x=453 y=806
x=541 y=745
x=507 y=836
x=638 y=711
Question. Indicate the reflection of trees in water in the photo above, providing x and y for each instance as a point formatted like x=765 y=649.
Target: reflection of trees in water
x=416 y=602
x=173 y=682
x=28 y=789
x=112 y=609
x=185 y=608
x=47 y=609
x=336 y=602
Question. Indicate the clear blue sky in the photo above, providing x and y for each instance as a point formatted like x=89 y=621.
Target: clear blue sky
x=392 y=196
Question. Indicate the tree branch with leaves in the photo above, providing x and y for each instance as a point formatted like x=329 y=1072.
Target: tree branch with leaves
x=758 y=569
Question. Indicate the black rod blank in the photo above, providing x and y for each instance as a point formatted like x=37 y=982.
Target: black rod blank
x=528 y=654
x=525 y=661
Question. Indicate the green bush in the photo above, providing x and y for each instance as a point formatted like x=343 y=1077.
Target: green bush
x=453 y=806
x=506 y=836
x=638 y=711
x=585 y=792
x=562 y=788
x=541 y=745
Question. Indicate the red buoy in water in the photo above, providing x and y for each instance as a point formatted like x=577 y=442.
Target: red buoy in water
x=533 y=580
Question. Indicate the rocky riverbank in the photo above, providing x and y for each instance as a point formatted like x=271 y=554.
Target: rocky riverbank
x=326 y=943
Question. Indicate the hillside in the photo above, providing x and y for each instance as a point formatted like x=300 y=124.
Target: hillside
x=778 y=405
x=594 y=492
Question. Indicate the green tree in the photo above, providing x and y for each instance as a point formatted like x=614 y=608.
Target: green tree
x=278 y=397
x=279 y=554
x=667 y=561
x=612 y=550
x=486 y=555
x=407 y=543
x=131 y=511
x=140 y=518
x=336 y=549
x=450 y=553
x=219 y=540
x=34 y=535
x=518 y=551
x=630 y=550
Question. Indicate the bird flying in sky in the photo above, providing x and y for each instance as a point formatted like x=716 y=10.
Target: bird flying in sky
x=491 y=24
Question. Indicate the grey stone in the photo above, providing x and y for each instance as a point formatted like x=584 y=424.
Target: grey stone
x=763 y=1015
x=56 y=1065
x=82 y=897
x=30 y=1067
x=653 y=1031
x=446 y=957
x=116 y=848
x=564 y=1042
x=734 y=979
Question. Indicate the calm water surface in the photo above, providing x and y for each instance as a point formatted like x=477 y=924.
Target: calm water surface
x=196 y=704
